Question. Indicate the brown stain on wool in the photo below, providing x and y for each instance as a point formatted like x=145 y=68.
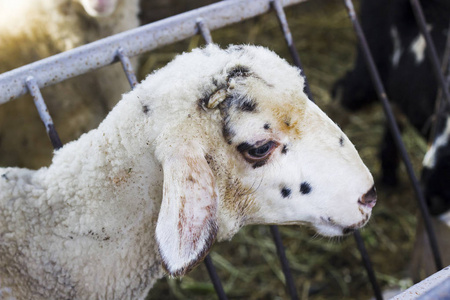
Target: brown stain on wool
x=239 y=198
x=288 y=118
x=122 y=177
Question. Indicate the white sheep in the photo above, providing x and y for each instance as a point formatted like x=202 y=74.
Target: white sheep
x=216 y=140
x=32 y=30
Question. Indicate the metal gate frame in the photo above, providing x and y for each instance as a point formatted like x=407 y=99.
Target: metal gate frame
x=122 y=46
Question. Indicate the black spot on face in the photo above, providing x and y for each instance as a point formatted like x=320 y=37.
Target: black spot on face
x=341 y=141
x=284 y=150
x=305 y=188
x=285 y=192
x=266 y=126
x=145 y=109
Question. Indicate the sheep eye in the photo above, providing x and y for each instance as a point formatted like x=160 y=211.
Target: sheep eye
x=260 y=153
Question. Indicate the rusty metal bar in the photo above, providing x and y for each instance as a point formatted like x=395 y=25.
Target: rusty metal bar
x=103 y=52
x=127 y=67
x=33 y=88
x=395 y=131
x=204 y=31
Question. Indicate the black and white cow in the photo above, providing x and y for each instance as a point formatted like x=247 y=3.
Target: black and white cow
x=399 y=51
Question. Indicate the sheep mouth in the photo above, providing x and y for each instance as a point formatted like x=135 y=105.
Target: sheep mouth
x=329 y=227
x=352 y=228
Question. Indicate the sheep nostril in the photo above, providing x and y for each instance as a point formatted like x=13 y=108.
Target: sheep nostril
x=369 y=199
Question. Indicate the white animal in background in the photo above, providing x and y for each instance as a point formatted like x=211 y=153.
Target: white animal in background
x=216 y=140
x=32 y=30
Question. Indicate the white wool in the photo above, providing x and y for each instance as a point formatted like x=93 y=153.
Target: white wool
x=163 y=177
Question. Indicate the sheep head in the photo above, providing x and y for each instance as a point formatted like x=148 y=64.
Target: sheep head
x=253 y=150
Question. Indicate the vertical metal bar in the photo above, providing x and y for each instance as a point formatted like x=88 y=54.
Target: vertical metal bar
x=368 y=265
x=127 y=67
x=431 y=49
x=215 y=278
x=33 y=88
x=290 y=284
x=444 y=100
x=439 y=107
x=278 y=7
x=204 y=31
x=395 y=131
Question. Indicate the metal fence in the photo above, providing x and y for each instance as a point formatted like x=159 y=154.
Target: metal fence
x=119 y=48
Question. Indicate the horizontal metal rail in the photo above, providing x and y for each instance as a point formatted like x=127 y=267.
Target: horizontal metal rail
x=103 y=52
x=435 y=287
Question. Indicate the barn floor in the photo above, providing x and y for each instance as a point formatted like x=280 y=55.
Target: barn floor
x=323 y=268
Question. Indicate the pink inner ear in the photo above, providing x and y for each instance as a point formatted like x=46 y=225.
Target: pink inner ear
x=197 y=237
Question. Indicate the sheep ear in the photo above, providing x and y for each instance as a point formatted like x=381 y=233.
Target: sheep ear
x=216 y=98
x=187 y=223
